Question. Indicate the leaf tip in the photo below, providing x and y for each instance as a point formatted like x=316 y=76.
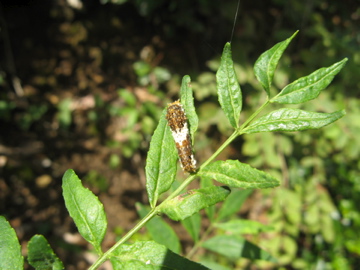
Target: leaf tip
x=187 y=78
x=68 y=174
x=227 y=47
x=293 y=35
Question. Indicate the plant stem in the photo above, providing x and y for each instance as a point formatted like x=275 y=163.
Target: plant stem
x=130 y=233
x=247 y=122
x=220 y=149
x=154 y=211
x=187 y=181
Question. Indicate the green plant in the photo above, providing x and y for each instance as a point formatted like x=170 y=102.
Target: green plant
x=88 y=212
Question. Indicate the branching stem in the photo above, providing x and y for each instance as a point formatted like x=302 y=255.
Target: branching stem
x=177 y=192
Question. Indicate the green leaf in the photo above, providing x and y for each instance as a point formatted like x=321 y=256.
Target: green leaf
x=191 y=202
x=235 y=247
x=292 y=120
x=149 y=255
x=210 y=211
x=86 y=210
x=41 y=256
x=265 y=66
x=10 y=249
x=212 y=264
x=233 y=203
x=239 y=175
x=309 y=87
x=242 y=226
x=192 y=225
x=229 y=91
x=160 y=231
x=161 y=161
x=187 y=100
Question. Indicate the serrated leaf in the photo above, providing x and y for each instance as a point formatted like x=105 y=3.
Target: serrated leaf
x=161 y=161
x=41 y=256
x=235 y=247
x=239 y=175
x=160 y=231
x=187 y=100
x=309 y=87
x=265 y=66
x=149 y=255
x=292 y=120
x=10 y=249
x=229 y=91
x=242 y=226
x=192 y=225
x=233 y=203
x=85 y=209
x=191 y=202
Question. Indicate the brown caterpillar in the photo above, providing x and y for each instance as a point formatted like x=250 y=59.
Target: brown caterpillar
x=178 y=124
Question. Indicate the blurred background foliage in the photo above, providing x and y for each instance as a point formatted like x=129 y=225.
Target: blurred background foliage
x=83 y=84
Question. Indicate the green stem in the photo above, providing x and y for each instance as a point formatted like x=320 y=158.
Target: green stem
x=247 y=122
x=193 y=176
x=130 y=233
x=152 y=213
x=220 y=149
x=187 y=181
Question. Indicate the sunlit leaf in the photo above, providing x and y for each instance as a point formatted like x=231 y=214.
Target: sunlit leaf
x=10 y=249
x=292 y=120
x=187 y=100
x=233 y=173
x=85 y=208
x=309 y=87
x=266 y=64
x=161 y=161
x=189 y=203
x=149 y=255
x=229 y=91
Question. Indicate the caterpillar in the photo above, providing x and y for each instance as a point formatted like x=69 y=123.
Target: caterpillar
x=178 y=124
